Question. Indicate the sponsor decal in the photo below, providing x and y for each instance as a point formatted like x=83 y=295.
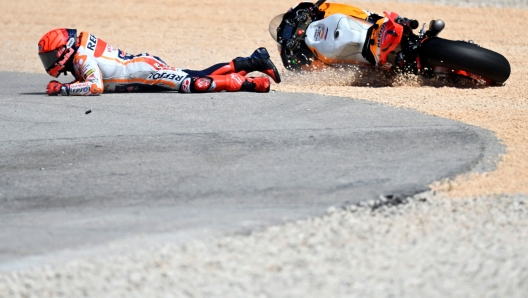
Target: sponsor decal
x=70 y=43
x=165 y=75
x=80 y=85
x=320 y=33
x=89 y=72
x=380 y=34
x=92 y=42
x=387 y=37
x=79 y=90
x=317 y=34
x=160 y=66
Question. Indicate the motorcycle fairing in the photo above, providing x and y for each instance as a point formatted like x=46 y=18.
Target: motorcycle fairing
x=338 y=39
x=358 y=50
x=379 y=49
x=385 y=39
x=349 y=10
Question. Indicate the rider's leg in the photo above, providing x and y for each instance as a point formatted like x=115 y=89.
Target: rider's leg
x=217 y=69
x=258 y=61
x=232 y=82
x=236 y=82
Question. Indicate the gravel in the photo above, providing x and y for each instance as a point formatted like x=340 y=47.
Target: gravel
x=431 y=245
x=519 y=4
x=427 y=245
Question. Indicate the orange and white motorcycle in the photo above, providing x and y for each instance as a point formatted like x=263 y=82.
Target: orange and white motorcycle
x=311 y=35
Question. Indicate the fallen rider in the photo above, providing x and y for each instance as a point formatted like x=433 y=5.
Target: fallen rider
x=99 y=67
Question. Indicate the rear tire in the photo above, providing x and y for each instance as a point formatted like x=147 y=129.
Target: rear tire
x=460 y=55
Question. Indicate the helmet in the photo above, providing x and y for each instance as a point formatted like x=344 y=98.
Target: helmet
x=56 y=49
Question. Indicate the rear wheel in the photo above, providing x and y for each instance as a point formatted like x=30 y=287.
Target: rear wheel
x=460 y=55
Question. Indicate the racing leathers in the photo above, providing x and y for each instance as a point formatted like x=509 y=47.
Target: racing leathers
x=98 y=67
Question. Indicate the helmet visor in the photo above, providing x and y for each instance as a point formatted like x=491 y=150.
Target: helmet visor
x=49 y=58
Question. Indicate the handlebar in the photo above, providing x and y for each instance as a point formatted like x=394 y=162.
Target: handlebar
x=413 y=24
x=295 y=22
x=319 y=3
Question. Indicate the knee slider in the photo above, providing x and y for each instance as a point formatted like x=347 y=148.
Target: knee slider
x=198 y=85
x=205 y=84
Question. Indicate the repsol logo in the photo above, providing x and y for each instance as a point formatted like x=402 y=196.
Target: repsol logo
x=80 y=90
x=165 y=75
x=92 y=41
x=380 y=34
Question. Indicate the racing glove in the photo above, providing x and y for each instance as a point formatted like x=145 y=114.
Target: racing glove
x=55 y=88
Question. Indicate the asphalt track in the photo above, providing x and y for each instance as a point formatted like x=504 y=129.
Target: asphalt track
x=144 y=168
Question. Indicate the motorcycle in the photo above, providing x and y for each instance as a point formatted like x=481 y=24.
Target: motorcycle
x=311 y=35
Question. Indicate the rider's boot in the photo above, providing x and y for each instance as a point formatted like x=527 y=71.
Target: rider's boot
x=235 y=82
x=258 y=61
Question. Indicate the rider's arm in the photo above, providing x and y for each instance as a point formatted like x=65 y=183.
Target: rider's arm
x=89 y=79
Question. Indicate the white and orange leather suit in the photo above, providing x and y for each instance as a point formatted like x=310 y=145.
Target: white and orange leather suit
x=99 y=67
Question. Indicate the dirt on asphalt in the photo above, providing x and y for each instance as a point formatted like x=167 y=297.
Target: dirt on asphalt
x=203 y=33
